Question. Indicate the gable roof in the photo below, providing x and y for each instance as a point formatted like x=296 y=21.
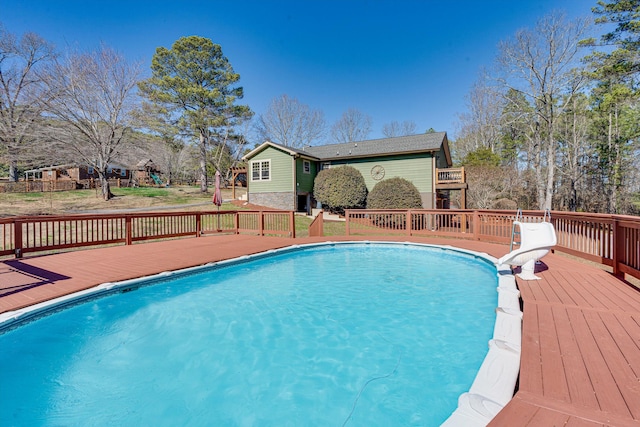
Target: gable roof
x=420 y=143
x=425 y=142
x=290 y=150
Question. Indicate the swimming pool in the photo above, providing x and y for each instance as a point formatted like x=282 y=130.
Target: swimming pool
x=349 y=334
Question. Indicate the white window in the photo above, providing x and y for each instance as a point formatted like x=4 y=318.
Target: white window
x=261 y=170
x=123 y=172
x=306 y=166
x=325 y=165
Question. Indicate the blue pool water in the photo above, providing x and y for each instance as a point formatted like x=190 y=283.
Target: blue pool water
x=334 y=335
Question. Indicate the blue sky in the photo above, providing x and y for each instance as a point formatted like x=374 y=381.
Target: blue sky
x=393 y=60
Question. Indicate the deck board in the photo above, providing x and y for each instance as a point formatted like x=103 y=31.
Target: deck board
x=580 y=387
x=554 y=381
x=580 y=363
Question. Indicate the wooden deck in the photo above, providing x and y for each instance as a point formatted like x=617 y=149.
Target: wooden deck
x=581 y=328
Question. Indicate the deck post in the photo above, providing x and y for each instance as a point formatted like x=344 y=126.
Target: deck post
x=347 y=216
x=261 y=223
x=409 y=223
x=236 y=222
x=292 y=224
x=17 y=238
x=129 y=237
x=618 y=248
x=198 y=224
x=476 y=225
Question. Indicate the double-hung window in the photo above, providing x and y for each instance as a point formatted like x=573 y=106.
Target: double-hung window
x=306 y=166
x=261 y=170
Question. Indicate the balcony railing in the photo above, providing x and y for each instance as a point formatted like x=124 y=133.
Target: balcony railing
x=450 y=176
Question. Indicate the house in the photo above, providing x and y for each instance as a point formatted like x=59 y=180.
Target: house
x=75 y=172
x=282 y=177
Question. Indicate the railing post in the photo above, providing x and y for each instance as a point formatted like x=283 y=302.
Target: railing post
x=476 y=225
x=198 y=224
x=261 y=223
x=236 y=222
x=409 y=223
x=292 y=224
x=128 y=228
x=17 y=238
x=618 y=248
x=347 y=216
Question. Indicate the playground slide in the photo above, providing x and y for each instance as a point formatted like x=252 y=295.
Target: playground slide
x=536 y=240
x=156 y=179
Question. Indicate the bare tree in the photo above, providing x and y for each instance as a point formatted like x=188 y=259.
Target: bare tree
x=21 y=94
x=538 y=64
x=92 y=107
x=353 y=125
x=575 y=152
x=290 y=123
x=481 y=125
x=486 y=185
x=395 y=128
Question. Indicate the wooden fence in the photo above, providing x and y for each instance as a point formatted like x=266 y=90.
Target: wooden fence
x=58 y=185
x=22 y=235
x=612 y=240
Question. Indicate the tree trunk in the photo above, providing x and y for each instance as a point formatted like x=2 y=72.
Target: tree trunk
x=13 y=171
x=537 y=164
x=551 y=168
x=104 y=186
x=203 y=163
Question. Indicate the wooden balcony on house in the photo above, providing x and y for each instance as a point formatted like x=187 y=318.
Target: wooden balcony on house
x=451 y=179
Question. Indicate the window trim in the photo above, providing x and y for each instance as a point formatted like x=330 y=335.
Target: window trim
x=306 y=167
x=260 y=170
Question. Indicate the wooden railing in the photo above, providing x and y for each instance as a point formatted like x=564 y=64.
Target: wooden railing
x=316 y=228
x=612 y=240
x=450 y=176
x=22 y=235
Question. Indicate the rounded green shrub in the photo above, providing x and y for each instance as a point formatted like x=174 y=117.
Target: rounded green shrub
x=340 y=188
x=394 y=193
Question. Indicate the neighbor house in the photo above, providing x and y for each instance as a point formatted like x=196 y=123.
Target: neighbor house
x=75 y=172
x=282 y=177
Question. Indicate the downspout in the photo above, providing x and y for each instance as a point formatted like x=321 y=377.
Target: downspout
x=295 y=185
x=433 y=182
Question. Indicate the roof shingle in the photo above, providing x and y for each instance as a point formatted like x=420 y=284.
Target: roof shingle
x=375 y=147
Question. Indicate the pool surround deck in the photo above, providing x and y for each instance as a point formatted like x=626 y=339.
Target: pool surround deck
x=580 y=362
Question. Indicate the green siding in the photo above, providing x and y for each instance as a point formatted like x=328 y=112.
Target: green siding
x=416 y=168
x=442 y=159
x=281 y=171
x=305 y=180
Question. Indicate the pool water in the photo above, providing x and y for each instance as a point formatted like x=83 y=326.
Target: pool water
x=333 y=335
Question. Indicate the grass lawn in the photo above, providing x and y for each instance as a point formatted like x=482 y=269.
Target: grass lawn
x=331 y=228
x=79 y=201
